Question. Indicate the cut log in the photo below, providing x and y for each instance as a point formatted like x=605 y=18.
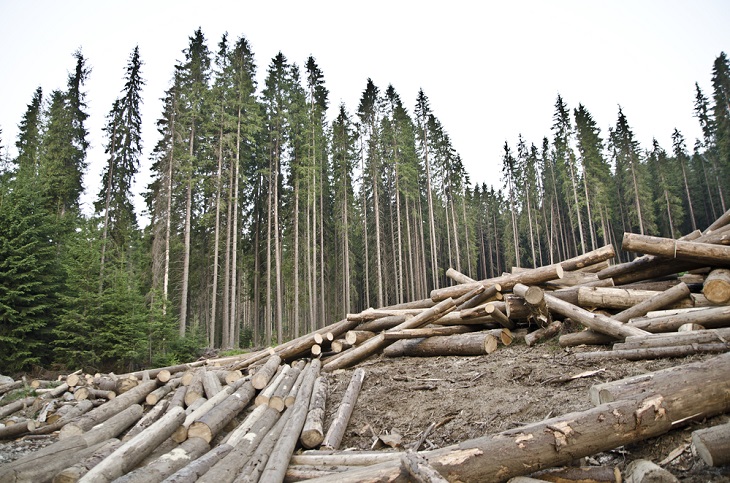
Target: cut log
x=655 y=352
x=337 y=429
x=16 y=406
x=339 y=345
x=458 y=277
x=167 y=464
x=689 y=251
x=255 y=465
x=520 y=451
x=535 y=300
x=343 y=458
x=471 y=344
x=162 y=391
x=14 y=430
x=717 y=286
x=644 y=471
x=313 y=431
x=380 y=325
x=43 y=464
x=291 y=397
x=195 y=388
x=108 y=409
x=209 y=425
x=713 y=444
x=675 y=338
x=302 y=345
x=181 y=433
x=419 y=470
x=581 y=474
x=373 y=345
x=354 y=337
x=280 y=455
x=532 y=276
x=428 y=332
x=691 y=391
x=191 y=472
x=597 y=322
x=264 y=396
x=544 y=333
x=278 y=398
x=211 y=384
x=659 y=301
x=147 y=420
x=73 y=473
x=709 y=318
x=262 y=376
x=126 y=457
x=622 y=299
x=490 y=293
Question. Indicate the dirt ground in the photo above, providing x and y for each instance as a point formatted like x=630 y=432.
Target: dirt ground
x=469 y=397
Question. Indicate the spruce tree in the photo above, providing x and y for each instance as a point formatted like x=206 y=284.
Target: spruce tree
x=721 y=111
x=29 y=137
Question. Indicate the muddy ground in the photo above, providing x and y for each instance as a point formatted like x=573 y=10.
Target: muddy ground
x=469 y=397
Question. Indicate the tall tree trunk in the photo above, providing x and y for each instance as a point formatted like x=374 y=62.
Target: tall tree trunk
x=689 y=197
x=186 y=254
x=378 y=245
x=635 y=181
x=225 y=332
x=467 y=239
x=346 y=254
x=456 y=232
x=233 y=317
x=322 y=277
x=399 y=245
x=216 y=242
x=577 y=206
x=277 y=254
x=269 y=231
x=529 y=224
x=365 y=229
x=107 y=204
x=296 y=253
x=168 y=220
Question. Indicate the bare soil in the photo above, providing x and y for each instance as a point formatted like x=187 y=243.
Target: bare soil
x=470 y=397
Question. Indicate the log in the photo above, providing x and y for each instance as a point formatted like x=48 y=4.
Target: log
x=691 y=391
x=675 y=338
x=709 y=318
x=264 y=396
x=303 y=344
x=209 y=425
x=458 y=277
x=162 y=391
x=195 y=388
x=655 y=302
x=339 y=345
x=644 y=471
x=71 y=414
x=313 y=431
x=147 y=420
x=520 y=451
x=721 y=221
x=717 y=286
x=211 y=384
x=228 y=467
x=532 y=276
x=471 y=344
x=493 y=311
x=428 y=332
x=622 y=299
x=373 y=345
x=262 y=376
x=380 y=325
x=343 y=458
x=283 y=449
x=291 y=397
x=354 y=337
x=43 y=464
x=73 y=473
x=252 y=471
x=713 y=444
x=108 y=409
x=14 y=430
x=655 y=352
x=535 y=300
x=278 y=399
x=336 y=430
x=191 y=472
x=588 y=259
x=581 y=474
x=181 y=433
x=543 y=333
x=235 y=436
x=167 y=464
x=419 y=470
x=126 y=457
x=597 y=322
x=689 y=251
x=492 y=292
x=15 y=406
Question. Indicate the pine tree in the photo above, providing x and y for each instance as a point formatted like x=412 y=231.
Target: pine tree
x=30 y=137
x=721 y=111
x=666 y=191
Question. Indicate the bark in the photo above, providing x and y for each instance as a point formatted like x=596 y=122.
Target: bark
x=428 y=332
x=472 y=344
x=147 y=420
x=162 y=391
x=661 y=300
x=211 y=384
x=373 y=345
x=419 y=470
x=167 y=464
x=262 y=376
x=656 y=352
x=211 y=423
x=285 y=444
x=343 y=458
x=709 y=318
x=542 y=334
x=690 y=251
x=73 y=473
x=622 y=299
x=337 y=429
x=16 y=406
x=713 y=444
x=195 y=388
x=11 y=431
x=278 y=398
x=108 y=409
x=524 y=450
x=676 y=338
x=268 y=391
x=257 y=462
x=313 y=431
x=717 y=286
x=535 y=300
x=597 y=322
x=181 y=433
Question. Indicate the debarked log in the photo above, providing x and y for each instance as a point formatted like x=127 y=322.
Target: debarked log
x=717 y=286
x=470 y=344
x=655 y=352
x=709 y=318
x=622 y=299
x=521 y=451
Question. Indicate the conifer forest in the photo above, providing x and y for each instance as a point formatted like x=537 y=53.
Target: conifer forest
x=269 y=218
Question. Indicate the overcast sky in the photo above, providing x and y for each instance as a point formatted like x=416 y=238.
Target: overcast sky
x=491 y=70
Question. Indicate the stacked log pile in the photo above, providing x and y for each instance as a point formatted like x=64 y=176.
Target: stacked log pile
x=242 y=418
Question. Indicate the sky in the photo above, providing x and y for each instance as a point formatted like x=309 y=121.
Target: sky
x=491 y=70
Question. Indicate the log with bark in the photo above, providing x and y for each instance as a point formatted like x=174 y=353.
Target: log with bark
x=470 y=344
x=717 y=286
x=336 y=431
x=706 y=254
x=713 y=444
x=313 y=431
